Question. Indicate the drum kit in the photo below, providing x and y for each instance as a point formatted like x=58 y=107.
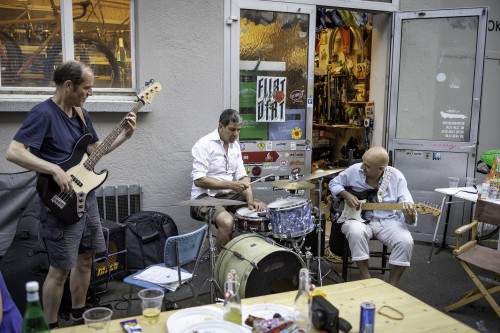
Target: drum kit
x=287 y=219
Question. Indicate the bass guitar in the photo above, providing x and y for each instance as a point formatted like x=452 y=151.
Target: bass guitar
x=69 y=207
x=356 y=213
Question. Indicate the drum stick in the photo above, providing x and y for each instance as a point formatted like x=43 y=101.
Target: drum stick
x=258 y=180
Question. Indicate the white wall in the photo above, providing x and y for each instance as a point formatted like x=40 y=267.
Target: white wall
x=179 y=44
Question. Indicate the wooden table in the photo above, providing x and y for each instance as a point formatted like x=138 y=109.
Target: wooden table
x=347 y=297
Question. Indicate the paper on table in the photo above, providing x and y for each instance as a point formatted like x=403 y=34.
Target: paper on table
x=162 y=276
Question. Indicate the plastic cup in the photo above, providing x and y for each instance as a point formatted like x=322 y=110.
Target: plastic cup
x=453 y=181
x=470 y=182
x=97 y=319
x=151 y=301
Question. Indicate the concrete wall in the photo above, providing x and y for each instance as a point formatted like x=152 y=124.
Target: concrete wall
x=180 y=44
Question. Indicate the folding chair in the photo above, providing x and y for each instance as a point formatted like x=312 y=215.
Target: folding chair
x=473 y=253
x=179 y=251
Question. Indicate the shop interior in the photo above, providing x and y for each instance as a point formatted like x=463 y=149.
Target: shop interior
x=343 y=113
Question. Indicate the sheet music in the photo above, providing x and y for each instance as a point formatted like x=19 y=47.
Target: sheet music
x=163 y=276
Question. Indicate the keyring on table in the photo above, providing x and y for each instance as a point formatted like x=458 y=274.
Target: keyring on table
x=380 y=312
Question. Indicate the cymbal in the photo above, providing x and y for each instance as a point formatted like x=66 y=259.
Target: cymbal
x=210 y=202
x=322 y=173
x=293 y=185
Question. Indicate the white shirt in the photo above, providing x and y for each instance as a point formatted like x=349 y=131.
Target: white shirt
x=210 y=160
x=396 y=191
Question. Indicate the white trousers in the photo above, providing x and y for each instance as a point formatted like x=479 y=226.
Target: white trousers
x=394 y=235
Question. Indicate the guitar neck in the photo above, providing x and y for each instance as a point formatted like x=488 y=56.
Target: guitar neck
x=103 y=148
x=380 y=206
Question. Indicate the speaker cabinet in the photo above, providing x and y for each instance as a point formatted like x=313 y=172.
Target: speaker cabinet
x=112 y=263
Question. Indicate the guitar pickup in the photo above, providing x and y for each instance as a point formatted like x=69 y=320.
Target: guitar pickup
x=76 y=181
x=56 y=200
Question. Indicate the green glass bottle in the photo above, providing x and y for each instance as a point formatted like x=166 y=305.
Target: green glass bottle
x=34 y=320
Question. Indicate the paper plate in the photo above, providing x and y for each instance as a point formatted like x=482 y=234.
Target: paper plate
x=178 y=321
x=215 y=327
x=267 y=311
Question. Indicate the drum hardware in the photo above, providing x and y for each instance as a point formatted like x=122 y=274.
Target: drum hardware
x=210 y=203
x=308 y=256
x=319 y=231
x=211 y=265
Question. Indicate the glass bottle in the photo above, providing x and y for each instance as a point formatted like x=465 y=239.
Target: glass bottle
x=232 y=301
x=121 y=52
x=303 y=302
x=34 y=320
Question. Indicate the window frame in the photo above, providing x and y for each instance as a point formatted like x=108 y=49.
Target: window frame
x=19 y=99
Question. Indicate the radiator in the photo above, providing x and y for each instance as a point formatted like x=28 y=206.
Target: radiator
x=117 y=202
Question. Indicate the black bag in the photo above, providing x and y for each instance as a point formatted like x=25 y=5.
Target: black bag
x=146 y=234
x=26 y=258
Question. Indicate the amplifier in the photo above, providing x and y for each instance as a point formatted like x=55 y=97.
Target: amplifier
x=112 y=263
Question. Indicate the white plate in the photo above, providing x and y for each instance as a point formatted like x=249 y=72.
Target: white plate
x=215 y=327
x=178 y=321
x=267 y=311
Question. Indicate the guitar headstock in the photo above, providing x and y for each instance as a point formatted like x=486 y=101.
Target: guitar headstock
x=428 y=208
x=150 y=89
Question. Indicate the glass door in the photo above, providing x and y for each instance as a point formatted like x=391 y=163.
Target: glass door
x=271 y=84
x=435 y=95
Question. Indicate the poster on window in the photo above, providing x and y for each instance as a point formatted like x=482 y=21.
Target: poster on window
x=271 y=99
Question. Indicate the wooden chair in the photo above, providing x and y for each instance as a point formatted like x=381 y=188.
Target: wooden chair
x=473 y=253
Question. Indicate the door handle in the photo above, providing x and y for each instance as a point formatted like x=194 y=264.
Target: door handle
x=471 y=146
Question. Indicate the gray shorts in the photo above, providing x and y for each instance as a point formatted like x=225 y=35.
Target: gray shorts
x=200 y=212
x=65 y=242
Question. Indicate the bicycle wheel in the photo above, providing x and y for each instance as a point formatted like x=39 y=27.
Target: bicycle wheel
x=11 y=58
x=93 y=53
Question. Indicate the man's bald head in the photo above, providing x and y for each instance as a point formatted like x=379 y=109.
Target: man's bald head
x=377 y=156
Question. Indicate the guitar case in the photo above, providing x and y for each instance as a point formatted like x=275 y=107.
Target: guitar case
x=26 y=259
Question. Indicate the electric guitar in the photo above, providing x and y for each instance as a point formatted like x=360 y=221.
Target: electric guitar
x=69 y=207
x=350 y=213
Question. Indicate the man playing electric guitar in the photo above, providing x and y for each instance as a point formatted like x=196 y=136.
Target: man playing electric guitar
x=388 y=226
x=46 y=139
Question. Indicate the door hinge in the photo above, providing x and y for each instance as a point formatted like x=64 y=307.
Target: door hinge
x=231 y=20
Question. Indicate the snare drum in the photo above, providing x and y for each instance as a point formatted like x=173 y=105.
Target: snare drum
x=290 y=217
x=246 y=220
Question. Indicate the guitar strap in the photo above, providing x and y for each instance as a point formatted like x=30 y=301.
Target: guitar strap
x=385 y=182
x=79 y=112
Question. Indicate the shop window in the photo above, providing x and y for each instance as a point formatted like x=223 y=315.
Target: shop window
x=31 y=44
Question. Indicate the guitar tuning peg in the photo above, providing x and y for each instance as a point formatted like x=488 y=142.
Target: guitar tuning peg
x=146 y=83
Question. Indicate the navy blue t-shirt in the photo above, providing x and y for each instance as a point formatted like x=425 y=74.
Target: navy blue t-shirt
x=50 y=133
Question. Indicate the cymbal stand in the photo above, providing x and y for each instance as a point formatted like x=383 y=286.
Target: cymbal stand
x=319 y=231
x=211 y=279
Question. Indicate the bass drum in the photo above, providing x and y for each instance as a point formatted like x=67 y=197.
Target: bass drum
x=263 y=268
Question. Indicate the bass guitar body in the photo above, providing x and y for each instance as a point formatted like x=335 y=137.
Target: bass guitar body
x=70 y=207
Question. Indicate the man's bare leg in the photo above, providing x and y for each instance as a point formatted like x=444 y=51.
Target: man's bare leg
x=363 y=269
x=396 y=273
x=225 y=222
x=80 y=280
x=52 y=292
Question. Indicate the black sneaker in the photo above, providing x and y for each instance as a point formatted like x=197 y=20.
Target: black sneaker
x=76 y=321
